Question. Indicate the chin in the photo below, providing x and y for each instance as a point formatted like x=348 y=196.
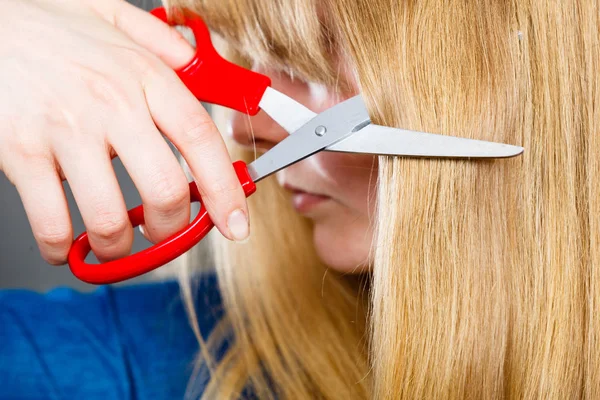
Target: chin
x=343 y=250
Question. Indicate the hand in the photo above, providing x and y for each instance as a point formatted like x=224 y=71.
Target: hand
x=82 y=81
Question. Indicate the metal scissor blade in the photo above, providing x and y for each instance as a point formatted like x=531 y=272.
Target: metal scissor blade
x=321 y=131
x=383 y=140
x=284 y=110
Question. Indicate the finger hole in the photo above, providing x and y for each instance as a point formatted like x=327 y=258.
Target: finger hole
x=159 y=179
x=93 y=182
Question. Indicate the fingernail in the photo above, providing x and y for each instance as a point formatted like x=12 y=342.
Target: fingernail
x=143 y=232
x=238 y=225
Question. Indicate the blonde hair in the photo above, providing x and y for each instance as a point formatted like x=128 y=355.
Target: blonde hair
x=485 y=281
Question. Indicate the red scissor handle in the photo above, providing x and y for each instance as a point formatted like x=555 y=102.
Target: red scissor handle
x=155 y=256
x=213 y=79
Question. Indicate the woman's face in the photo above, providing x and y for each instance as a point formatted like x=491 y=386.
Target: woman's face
x=335 y=190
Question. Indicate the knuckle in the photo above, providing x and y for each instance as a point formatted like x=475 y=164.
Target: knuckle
x=197 y=129
x=54 y=117
x=147 y=68
x=108 y=92
x=224 y=189
x=38 y=160
x=99 y=89
x=46 y=113
x=169 y=195
x=141 y=62
x=54 y=237
x=21 y=144
x=109 y=227
x=29 y=150
x=223 y=193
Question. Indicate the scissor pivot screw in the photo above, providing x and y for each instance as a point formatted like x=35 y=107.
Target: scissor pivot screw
x=320 y=130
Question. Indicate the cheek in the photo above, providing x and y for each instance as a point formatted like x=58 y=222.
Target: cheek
x=343 y=240
x=353 y=179
x=343 y=236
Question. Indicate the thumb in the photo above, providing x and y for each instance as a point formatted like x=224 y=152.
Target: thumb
x=151 y=33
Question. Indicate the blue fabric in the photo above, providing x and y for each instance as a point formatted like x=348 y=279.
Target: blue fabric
x=130 y=342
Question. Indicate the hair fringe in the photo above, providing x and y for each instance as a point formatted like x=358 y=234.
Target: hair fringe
x=485 y=282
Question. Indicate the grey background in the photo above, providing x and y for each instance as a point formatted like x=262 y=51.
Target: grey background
x=21 y=265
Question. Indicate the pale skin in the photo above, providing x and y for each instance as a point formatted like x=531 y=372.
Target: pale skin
x=82 y=81
x=100 y=83
x=343 y=220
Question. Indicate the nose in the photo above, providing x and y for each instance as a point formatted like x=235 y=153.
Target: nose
x=261 y=131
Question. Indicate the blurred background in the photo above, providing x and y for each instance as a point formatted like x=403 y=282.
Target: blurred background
x=21 y=265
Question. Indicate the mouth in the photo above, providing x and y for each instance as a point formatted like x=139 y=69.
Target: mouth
x=304 y=201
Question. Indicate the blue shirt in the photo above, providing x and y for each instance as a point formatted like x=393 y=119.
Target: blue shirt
x=126 y=342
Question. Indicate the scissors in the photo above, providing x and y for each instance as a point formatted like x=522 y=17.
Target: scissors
x=345 y=127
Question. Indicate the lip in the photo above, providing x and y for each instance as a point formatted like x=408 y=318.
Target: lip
x=304 y=201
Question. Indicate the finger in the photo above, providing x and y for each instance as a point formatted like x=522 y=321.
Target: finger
x=92 y=179
x=187 y=124
x=150 y=32
x=157 y=175
x=45 y=203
